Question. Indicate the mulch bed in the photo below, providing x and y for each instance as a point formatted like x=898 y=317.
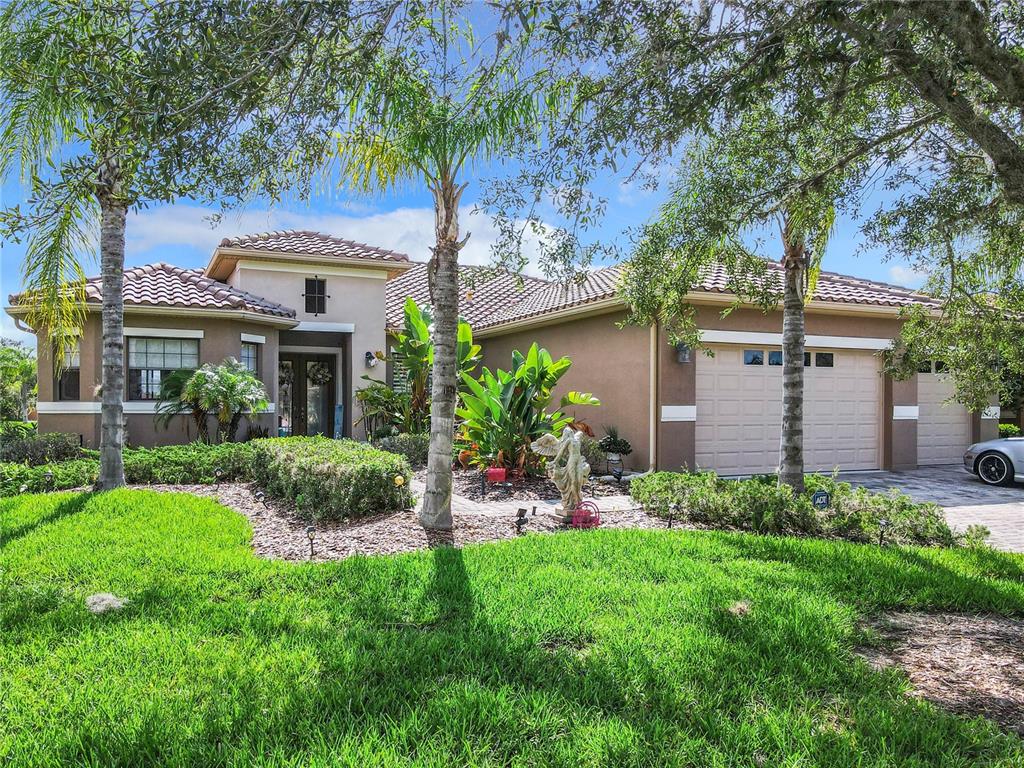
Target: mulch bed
x=279 y=532
x=528 y=488
x=969 y=665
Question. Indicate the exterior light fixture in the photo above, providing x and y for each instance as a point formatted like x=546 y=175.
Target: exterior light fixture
x=683 y=353
x=883 y=526
x=218 y=475
x=311 y=534
x=371 y=360
x=260 y=497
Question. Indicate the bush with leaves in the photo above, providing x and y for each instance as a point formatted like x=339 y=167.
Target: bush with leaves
x=1009 y=430
x=60 y=476
x=227 y=391
x=761 y=506
x=504 y=412
x=36 y=449
x=332 y=479
x=413 y=447
x=192 y=463
x=612 y=443
x=13 y=430
x=593 y=454
x=385 y=411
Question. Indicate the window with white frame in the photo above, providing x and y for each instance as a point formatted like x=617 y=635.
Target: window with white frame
x=151 y=361
x=753 y=357
x=68 y=379
x=251 y=356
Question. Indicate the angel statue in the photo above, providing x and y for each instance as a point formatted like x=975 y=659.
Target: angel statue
x=566 y=466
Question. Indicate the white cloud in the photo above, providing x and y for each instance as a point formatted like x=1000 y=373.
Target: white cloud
x=907 y=276
x=407 y=230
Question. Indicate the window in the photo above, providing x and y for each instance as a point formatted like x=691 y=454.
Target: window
x=775 y=358
x=150 y=361
x=925 y=366
x=823 y=359
x=251 y=356
x=753 y=357
x=68 y=382
x=807 y=359
x=940 y=366
x=316 y=295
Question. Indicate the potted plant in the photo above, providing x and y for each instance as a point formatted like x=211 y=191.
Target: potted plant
x=614 y=446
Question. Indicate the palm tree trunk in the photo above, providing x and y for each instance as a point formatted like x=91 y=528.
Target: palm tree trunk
x=436 y=512
x=113 y=214
x=791 y=451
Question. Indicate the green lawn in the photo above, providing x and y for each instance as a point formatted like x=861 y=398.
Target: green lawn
x=588 y=648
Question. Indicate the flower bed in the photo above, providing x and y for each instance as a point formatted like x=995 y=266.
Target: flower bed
x=332 y=479
x=761 y=506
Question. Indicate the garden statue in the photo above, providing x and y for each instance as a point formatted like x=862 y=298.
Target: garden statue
x=566 y=466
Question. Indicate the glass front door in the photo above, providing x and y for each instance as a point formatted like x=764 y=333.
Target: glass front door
x=306 y=394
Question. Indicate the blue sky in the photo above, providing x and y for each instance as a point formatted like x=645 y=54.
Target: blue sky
x=179 y=233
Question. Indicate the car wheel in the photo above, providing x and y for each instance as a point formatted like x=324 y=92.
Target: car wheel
x=994 y=468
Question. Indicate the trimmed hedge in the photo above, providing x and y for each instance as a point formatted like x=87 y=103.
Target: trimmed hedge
x=22 y=478
x=412 y=446
x=761 y=506
x=1009 y=430
x=332 y=479
x=36 y=449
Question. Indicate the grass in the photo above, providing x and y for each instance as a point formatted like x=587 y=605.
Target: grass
x=589 y=648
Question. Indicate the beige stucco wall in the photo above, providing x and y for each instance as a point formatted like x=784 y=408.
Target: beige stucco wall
x=356 y=297
x=221 y=339
x=612 y=363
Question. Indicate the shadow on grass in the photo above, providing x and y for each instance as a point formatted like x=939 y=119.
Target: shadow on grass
x=66 y=507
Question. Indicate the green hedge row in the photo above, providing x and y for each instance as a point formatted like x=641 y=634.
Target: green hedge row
x=331 y=479
x=327 y=479
x=761 y=506
x=414 y=447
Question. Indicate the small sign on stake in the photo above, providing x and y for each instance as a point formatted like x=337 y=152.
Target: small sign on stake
x=820 y=500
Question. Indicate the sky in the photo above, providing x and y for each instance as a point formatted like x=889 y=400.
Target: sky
x=181 y=234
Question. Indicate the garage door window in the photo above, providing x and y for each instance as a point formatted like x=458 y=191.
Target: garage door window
x=753 y=357
x=775 y=358
x=823 y=360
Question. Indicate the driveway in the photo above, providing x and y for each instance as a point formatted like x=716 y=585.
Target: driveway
x=966 y=500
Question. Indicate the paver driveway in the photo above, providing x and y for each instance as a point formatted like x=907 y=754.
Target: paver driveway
x=966 y=500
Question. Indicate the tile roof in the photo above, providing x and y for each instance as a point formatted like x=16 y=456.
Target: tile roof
x=164 y=285
x=505 y=304
x=483 y=293
x=312 y=243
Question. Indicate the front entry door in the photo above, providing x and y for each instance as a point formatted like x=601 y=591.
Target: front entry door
x=306 y=394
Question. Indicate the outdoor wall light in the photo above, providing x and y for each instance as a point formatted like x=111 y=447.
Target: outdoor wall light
x=371 y=360
x=311 y=533
x=682 y=353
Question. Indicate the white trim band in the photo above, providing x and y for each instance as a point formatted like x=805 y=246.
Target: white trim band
x=90 y=406
x=313 y=325
x=775 y=340
x=165 y=333
x=253 y=338
x=374 y=270
x=992 y=412
x=905 y=412
x=679 y=413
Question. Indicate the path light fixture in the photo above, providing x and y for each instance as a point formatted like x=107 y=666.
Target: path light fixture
x=218 y=474
x=48 y=478
x=521 y=519
x=23 y=489
x=534 y=513
x=311 y=533
x=399 y=481
x=261 y=497
x=673 y=510
x=883 y=526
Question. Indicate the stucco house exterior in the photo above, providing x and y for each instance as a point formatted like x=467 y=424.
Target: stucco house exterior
x=291 y=304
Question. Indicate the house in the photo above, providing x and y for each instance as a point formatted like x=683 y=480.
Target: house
x=309 y=312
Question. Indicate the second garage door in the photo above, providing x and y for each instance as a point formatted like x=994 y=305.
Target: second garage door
x=739 y=410
x=943 y=429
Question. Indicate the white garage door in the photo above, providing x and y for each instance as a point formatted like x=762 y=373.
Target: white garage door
x=943 y=430
x=739 y=410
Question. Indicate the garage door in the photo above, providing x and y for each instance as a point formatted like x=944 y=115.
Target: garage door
x=739 y=410
x=943 y=430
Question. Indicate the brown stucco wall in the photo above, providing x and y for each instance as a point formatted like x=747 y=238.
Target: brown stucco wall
x=899 y=436
x=612 y=363
x=221 y=339
x=677 y=385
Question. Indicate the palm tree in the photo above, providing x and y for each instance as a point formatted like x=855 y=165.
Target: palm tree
x=227 y=391
x=410 y=124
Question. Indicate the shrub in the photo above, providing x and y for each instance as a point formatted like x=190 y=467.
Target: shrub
x=612 y=443
x=332 y=479
x=192 y=463
x=761 y=506
x=35 y=449
x=22 y=478
x=593 y=453
x=1009 y=430
x=15 y=430
x=412 y=446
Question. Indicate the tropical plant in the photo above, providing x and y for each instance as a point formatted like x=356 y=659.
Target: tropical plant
x=383 y=409
x=17 y=380
x=227 y=391
x=612 y=443
x=414 y=348
x=504 y=412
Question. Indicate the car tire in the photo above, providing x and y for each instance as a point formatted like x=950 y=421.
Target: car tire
x=994 y=468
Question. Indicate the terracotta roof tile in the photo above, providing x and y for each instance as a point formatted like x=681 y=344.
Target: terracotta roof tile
x=505 y=303
x=164 y=285
x=312 y=243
